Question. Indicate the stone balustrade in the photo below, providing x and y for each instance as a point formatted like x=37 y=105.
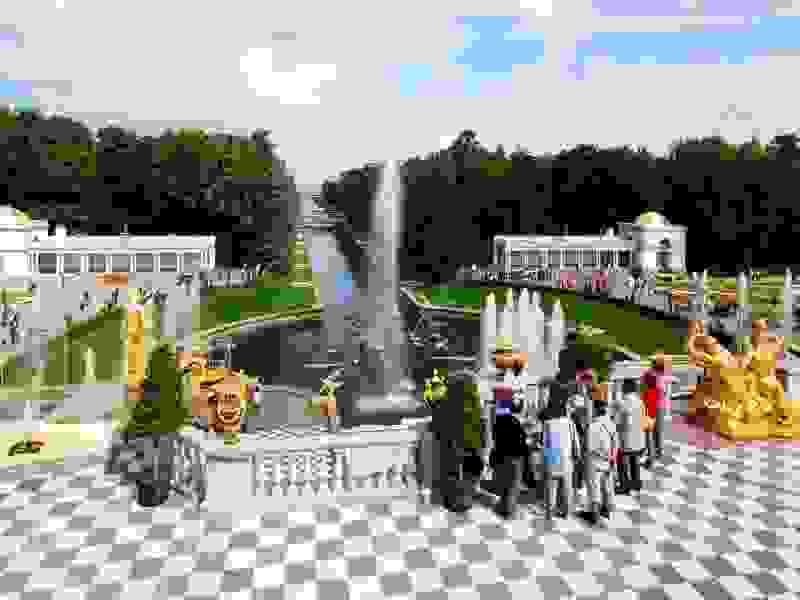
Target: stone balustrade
x=354 y=465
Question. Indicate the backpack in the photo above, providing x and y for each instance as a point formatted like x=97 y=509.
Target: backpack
x=614 y=451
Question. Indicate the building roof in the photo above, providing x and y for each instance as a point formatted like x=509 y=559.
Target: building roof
x=11 y=216
x=141 y=243
x=542 y=242
x=652 y=218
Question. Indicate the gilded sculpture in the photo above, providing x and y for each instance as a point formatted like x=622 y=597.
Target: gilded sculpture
x=741 y=396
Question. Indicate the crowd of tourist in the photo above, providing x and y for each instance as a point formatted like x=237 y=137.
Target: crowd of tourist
x=555 y=449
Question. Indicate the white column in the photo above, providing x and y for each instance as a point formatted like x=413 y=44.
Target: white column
x=84 y=263
x=180 y=261
x=156 y=262
x=59 y=263
x=108 y=263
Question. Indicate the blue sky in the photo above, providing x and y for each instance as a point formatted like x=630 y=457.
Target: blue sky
x=493 y=45
x=379 y=80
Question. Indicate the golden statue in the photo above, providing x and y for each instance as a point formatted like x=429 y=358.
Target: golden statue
x=740 y=396
x=762 y=362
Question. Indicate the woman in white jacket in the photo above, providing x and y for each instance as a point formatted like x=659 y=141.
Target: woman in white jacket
x=628 y=413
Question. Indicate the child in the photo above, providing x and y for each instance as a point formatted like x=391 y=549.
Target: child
x=631 y=437
x=603 y=450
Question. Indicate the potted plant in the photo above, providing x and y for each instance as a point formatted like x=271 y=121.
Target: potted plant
x=158 y=413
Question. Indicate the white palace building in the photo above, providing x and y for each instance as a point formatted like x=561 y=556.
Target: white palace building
x=650 y=242
x=26 y=249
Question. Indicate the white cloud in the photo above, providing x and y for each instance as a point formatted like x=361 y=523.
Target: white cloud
x=189 y=66
x=541 y=8
x=292 y=87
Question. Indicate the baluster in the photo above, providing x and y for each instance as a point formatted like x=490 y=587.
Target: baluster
x=291 y=480
x=258 y=461
x=335 y=470
x=276 y=474
x=305 y=466
x=393 y=476
x=318 y=468
x=347 y=476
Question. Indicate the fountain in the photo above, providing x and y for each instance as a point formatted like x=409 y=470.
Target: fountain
x=378 y=384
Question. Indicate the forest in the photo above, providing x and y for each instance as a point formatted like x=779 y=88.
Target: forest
x=186 y=182
x=738 y=202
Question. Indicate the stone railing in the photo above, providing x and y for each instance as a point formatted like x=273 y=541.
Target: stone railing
x=354 y=465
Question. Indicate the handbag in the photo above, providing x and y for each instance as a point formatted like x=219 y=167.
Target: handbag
x=648 y=422
x=614 y=453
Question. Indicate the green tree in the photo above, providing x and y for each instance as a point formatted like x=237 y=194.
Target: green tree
x=161 y=409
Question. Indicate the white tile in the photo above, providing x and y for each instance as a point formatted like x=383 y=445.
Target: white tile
x=583 y=584
x=742 y=563
x=328 y=531
x=739 y=587
x=337 y=568
x=790 y=578
x=177 y=565
x=240 y=558
x=682 y=591
x=484 y=573
x=267 y=576
x=638 y=576
x=446 y=556
x=365 y=588
x=691 y=570
x=425 y=580
x=297 y=553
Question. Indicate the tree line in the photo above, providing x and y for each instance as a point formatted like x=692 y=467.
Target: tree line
x=736 y=201
x=184 y=182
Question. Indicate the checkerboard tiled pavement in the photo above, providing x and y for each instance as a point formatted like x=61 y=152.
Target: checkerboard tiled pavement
x=711 y=524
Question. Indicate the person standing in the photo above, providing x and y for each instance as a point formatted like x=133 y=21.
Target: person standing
x=561 y=452
x=628 y=412
x=656 y=381
x=603 y=453
x=457 y=427
x=510 y=449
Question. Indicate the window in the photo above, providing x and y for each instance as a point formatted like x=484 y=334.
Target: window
x=72 y=263
x=120 y=263
x=664 y=259
x=571 y=258
x=191 y=261
x=625 y=258
x=168 y=262
x=48 y=264
x=97 y=263
x=606 y=258
x=144 y=263
x=516 y=259
x=589 y=258
x=555 y=257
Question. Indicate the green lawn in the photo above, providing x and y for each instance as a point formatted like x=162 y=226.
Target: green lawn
x=624 y=327
x=275 y=296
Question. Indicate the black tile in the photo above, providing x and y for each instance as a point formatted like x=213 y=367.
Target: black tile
x=653 y=594
x=769 y=539
x=711 y=590
x=666 y=573
x=551 y=587
x=717 y=566
x=767 y=560
x=234 y=580
x=767 y=583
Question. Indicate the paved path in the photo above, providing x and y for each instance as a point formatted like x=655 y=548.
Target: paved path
x=709 y=524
